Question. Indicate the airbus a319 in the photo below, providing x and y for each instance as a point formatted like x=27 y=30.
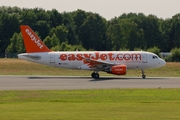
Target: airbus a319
x=112 y=62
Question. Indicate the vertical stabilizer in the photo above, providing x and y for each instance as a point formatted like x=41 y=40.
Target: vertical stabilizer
x=31 y=41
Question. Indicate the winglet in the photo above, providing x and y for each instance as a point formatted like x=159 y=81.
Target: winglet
x=31 y=41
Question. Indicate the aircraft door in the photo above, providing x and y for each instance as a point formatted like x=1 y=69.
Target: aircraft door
x=144 y=58
x=52 y=58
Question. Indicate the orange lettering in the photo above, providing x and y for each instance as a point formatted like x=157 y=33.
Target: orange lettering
x=63 y=57
x=110 y=56
x=96 y=56
x=79 y=57
x=103 y=56
x=136 y=56
x=120 y=56
x=71 y=57
x=87 y=55
x=127 y=57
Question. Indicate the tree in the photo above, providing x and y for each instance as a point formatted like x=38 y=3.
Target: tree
x=65 y=46
x=12 y=47
x=9 y=24
x=16 y=44
x=52 y=42
x=132 y=32
x=176 y=30
x=155 y=50
x=47 y=41
x=150 y=26
x=94 y=32
x=55 y=18
x=43 y=28
x=114 y=35
x=28 y=17
x=61 y=32
x=167 y=36
x=68 y=22
x=79 y=17
x=175 y=54
x=132 y=35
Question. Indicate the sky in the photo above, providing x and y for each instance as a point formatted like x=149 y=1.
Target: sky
x=106 y=8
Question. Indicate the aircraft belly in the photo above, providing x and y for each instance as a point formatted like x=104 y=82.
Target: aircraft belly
x=133 y=65
x=76 y=64
x=69 y=64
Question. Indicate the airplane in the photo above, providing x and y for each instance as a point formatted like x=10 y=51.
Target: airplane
x=112 y=62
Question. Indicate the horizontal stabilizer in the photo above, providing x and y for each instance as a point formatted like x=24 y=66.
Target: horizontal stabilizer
x=34 y=57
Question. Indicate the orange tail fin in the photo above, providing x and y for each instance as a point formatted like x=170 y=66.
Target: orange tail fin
x=31 y=41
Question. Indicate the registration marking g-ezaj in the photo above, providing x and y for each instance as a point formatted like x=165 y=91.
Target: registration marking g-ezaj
x=113 y=62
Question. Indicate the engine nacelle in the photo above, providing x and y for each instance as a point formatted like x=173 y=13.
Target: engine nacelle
x=118 y=70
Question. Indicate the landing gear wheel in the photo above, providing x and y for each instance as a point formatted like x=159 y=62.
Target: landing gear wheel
x=95 y=75
x=143 y=76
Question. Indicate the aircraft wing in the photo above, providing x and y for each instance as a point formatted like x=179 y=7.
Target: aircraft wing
x=96 y=63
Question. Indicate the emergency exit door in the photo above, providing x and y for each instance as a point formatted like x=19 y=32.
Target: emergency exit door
x=52 y=58
x=144 y=58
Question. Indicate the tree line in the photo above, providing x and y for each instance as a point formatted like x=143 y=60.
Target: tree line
x=81 y=30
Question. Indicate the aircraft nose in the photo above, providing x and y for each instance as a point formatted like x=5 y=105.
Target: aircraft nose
x=163 y=62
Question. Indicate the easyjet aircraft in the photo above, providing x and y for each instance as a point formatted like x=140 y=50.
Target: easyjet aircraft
x=113 y=62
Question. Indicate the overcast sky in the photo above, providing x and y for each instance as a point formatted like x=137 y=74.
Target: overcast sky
x=106 y=8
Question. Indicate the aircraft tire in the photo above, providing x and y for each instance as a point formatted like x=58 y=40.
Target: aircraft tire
x=93 y=75
x=143 y=76
x=96 y=75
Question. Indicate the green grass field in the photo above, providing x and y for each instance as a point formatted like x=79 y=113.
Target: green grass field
x=22 y=67
x=113 y=104
x=102 y=104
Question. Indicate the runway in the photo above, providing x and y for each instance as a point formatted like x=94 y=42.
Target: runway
x=70 y=83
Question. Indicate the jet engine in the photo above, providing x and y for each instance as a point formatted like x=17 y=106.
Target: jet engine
x=117 y=69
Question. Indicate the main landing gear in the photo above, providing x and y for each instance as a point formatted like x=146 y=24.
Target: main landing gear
x=143 y=75
x=95 y=75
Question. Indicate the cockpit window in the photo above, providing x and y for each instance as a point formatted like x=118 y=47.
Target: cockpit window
x=155 y=57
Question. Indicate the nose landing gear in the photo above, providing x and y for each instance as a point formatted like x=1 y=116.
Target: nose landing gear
x=143 y=75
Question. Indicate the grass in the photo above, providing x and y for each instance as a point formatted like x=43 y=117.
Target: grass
x=22 y=67
x=105 y=104
x=115 y=104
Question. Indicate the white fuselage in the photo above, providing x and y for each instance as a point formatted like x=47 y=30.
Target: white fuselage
x=74 y=60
